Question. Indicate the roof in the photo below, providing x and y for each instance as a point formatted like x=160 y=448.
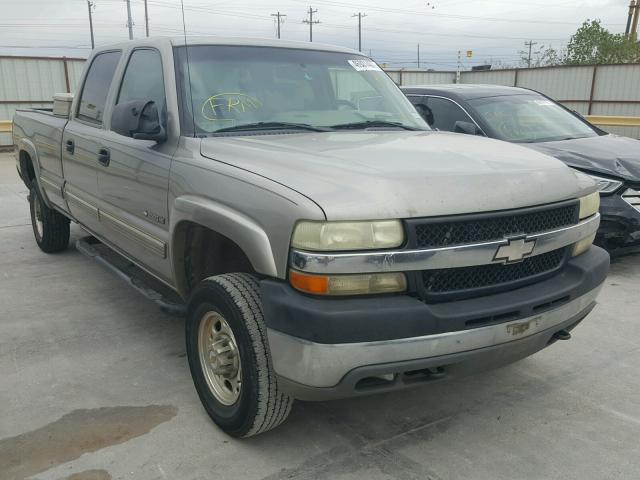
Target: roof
x=466 y=91
x=223 y=40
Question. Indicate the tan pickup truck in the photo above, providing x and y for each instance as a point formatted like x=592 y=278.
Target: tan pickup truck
x=326 y=242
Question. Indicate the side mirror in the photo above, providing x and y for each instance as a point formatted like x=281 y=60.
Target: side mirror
x=469 y=128
x=138 y=119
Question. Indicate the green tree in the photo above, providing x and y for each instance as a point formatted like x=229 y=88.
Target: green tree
x=592 y=43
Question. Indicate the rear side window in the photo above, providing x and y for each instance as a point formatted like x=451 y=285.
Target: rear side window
x=96 y=87
x=143 y=79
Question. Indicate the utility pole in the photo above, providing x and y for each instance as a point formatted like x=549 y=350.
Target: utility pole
x=634 y=10
x=311 y=22
x=459 y=66
x=359 y=15
x=529 y=44
x=129 y=21
x=90 y=6
x=279 y=19
x=146 y=18
x=418 y=55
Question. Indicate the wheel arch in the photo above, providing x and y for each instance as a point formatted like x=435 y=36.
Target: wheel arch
x=29 y=164
x=202 y=230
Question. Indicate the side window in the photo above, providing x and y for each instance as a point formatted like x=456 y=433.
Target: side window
x=143 y=79
x=96 y=87
x=446 y=113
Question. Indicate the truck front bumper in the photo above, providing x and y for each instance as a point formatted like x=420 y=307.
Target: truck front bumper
x=334 y=348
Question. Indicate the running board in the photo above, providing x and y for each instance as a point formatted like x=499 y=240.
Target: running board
x=168 y=301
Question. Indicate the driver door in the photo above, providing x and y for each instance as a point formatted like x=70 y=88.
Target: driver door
x=133 y=183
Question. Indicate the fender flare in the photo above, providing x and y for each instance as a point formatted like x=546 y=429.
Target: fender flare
x=222 y=219
x=25 y=145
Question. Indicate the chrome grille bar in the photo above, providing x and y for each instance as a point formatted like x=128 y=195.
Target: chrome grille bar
x=434 y=258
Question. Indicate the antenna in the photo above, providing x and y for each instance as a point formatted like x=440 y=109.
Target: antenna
x=186 y=46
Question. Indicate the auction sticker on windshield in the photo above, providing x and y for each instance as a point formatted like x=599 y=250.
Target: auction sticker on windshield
x=364 y=65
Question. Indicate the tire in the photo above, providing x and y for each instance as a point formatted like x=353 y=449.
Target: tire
x=50 y=228
x=238 y=388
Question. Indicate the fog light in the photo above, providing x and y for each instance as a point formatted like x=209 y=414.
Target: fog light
x=583 y=245
x=348 y=284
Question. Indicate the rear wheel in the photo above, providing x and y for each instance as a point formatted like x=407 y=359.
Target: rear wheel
x=50 y=228
x=229 y=356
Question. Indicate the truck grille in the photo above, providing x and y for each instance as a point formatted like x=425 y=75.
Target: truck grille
x=483 y=228
x=464 y=282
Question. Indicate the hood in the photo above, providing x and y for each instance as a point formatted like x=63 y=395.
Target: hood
x=608 y=154
x=399 y=174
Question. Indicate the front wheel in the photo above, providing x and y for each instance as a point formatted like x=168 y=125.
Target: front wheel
x=229 y=356
x=50 y=228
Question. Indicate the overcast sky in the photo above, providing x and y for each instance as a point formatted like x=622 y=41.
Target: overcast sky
x=494 y=29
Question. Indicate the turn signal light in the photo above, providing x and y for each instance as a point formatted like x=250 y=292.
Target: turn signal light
x=348 y=284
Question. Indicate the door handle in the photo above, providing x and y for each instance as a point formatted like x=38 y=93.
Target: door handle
x=104 y=157
x=70 y=146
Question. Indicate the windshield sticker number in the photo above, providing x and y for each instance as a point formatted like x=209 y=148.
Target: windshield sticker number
x=364 y=65
x=228 y=102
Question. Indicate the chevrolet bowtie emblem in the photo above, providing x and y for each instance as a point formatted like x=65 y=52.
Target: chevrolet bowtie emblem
x=514 y=250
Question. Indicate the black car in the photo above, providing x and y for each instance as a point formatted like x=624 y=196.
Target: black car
x=523 y=116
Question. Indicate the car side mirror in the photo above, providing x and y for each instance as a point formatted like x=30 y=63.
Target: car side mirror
x=469 y=128
x=138 y=119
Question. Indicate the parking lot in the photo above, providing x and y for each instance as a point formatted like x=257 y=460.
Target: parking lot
x=94 y=384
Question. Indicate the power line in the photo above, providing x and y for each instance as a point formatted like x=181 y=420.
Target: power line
x=279 y=19
x=359 y=15
x=311 y=22
x=443 y=15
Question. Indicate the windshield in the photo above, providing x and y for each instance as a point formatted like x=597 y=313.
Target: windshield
x=264 y=87
x=529 y=118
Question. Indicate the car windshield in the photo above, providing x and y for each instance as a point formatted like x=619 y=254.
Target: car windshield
x=267 y=88
x=529 y=119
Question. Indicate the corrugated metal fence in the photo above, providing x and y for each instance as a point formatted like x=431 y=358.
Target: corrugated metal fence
x=32 y=81
x=590 y=90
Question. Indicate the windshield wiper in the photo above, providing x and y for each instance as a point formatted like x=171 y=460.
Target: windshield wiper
x=271 y=126
x=372 y=123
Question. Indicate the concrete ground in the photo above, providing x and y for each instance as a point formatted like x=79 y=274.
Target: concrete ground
x=94 y=384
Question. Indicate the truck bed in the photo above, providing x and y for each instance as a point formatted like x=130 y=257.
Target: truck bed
x=39 y=133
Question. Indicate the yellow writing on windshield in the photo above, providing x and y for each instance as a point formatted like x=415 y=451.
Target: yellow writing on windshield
x=217 y=105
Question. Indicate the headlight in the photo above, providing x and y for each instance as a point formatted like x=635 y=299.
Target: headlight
x=335 y=236
x=606 y=185
x=361 y=284
x=589 y=205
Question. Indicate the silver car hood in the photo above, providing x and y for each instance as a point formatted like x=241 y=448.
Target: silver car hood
x=400 y=174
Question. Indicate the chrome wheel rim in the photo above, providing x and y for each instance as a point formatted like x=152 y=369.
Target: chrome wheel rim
x=219 y=358
x=37 y=214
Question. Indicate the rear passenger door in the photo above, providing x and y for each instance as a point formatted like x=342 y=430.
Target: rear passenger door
x=133 y=184
x=82 y=140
